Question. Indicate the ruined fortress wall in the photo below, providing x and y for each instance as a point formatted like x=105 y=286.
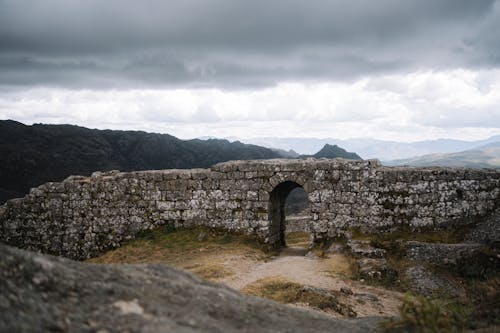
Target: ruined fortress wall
x=83 y=216
x=400 y=196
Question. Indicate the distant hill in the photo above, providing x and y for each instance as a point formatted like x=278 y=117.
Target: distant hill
x=297 y=199
x=372 y=148
x=33 y=155
x=329 y=151
x=487 y=156
x=286 y=154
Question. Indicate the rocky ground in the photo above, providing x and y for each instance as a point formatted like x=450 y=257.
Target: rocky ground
x=45 y=293
x=358 y=276
x=243 y=267
x=330 y=273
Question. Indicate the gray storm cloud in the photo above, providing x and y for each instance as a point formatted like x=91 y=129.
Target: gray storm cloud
x=230 y=43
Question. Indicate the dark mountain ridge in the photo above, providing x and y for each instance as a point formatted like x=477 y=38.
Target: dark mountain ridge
x=33 y=155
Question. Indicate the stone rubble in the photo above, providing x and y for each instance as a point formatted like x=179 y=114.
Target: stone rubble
x=423 y=281
x=374 y=269
x=363 y=249
x=441 y=254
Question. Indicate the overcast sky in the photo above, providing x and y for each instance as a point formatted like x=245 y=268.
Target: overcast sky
x=388 y=69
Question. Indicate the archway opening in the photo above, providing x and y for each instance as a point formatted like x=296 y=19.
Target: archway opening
x=288 y=207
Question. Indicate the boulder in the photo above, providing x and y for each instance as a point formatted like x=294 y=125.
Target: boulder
x=440 y=253
x=42 y=293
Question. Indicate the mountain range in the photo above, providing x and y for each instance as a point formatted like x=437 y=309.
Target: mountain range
x=487 y=156
x=33 y=155
x=371 y=148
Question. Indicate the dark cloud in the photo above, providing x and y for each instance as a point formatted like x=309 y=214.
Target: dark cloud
x=233 y=43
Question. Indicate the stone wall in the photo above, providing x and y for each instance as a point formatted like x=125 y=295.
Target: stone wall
x=298 y=223
x=84 y=216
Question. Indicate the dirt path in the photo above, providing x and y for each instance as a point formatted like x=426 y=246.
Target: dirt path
x=240 y=264
x=290 y=264
x=327 y=273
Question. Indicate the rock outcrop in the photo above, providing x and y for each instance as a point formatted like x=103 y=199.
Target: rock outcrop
x=441 y=254
x=41 y=293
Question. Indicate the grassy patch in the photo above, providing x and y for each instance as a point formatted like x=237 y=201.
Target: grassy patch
x=419 y=314
x=299 y=239
x=484 y=298
x=393 y=242
x=174 y=247
x=480 y=309
x=284 y=291
x=212 y=272
x=341 y=265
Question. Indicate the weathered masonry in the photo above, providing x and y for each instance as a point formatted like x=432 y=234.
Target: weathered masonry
x=83 y=216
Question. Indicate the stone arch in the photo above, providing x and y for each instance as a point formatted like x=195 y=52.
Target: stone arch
x=277 y=199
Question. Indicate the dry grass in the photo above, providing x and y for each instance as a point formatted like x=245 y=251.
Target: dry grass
x=298 y=239
x=276 y=288
x=212 y=272
x=339 y=265
x=281 y=290
x=179 y=247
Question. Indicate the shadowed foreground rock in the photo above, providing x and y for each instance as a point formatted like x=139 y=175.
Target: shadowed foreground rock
x=45 y=293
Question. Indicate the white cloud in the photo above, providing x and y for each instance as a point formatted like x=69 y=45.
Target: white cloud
x=421 y=105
